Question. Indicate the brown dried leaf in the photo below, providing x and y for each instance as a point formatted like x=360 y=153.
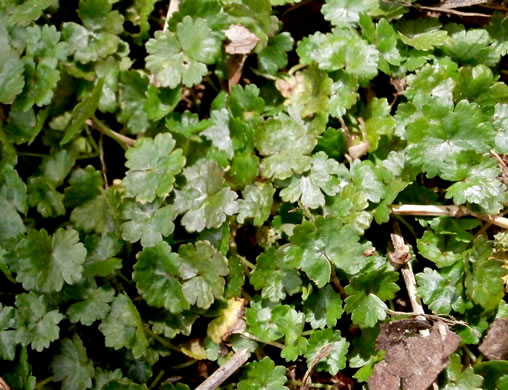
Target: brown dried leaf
x=412 y=361
x=235 y=67
x=229 y=321
x=495 y=344
x=241 y=40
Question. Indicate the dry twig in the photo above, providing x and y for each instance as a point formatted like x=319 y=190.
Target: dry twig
x=451 y=211
x=225 y=371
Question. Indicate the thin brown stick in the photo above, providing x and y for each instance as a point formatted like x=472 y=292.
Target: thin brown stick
x=225 y=371
x=464 y=3
x=440 y=9
x=401 y=250
x=3 y=385
x=103 y=163
x=173 y=7
x=323 y=352
x=451 y=211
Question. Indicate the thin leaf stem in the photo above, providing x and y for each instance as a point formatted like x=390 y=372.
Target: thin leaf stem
x=161 y=340
x=121 y=139
x=157 y=379
x=184 y=365
x=247 y=262
x=469 y=353
x=42 y=383
x=254 y=338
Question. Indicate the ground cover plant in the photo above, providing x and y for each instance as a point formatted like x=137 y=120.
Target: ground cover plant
x=307 y=194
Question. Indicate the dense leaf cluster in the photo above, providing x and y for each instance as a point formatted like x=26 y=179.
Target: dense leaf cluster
x=155 y=211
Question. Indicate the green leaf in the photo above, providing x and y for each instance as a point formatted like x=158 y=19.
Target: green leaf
x=138 y=13
x=146 y=222
x=12 y=222
x=21 y=376
x=209 y=10
x=56 y=167
x=436 y=134
x=274 y=276
x=11 y=68
x=204 y=200
x=458 y=378
x=181 y=57
x=102 y=377
x=366 y=294
x=498 y=31
x=342 y=49
x=97 y=214
x=123 y=384
x=260 y=321
x=323 y=308
x=100 y=260
x=218 y=133
x=82 y=112
x=346 y=12
x=186 y=124
x=11 y=78
x=153 y=165
x=274 y=57
x=308 y=89
x=85 y=184
x=35 y=325
x=45 y=263
x=7 y=333
x=171 y=325
x=343 y=94
x=422 y=34
x=132 y=91
x=24 y=125
x=256 y=203
x=484 y=268
x=245 y=103
x=286 y=141
x=324 y=177
x=156 y=275
x=123 y=327
x=292 y=323
x=263 y=374
x=492 y=372
x=97 y=37
x=42 y=194
x=365 y=178
x=331 y=340
x=94 y=305
x=378 y=122
x=72 y=366
x=43 y=52
x=442 y=291
x=29 y=11
x=478 y=185
x=318 y=245
x=441 y=249
x=470 y=46
x=202 y=271
x=477 y=84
